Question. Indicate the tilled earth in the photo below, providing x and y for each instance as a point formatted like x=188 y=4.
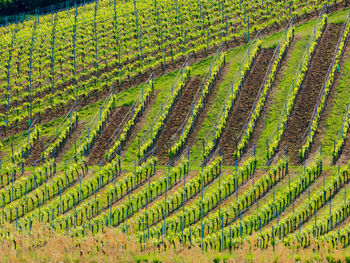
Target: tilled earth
x=307 y=97
x=243 y=105
x=100 y=146
x=176 y=119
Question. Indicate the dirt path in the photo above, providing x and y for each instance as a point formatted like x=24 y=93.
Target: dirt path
x=140 y=121
x=69 y=143
x=35 y=153
x=322 y=128
x=171 y=66
x=176 y=119
x=260 y=125
x=100 y=146
x=345 y=155
x=307 y=97
x=243 y=105
x=209 y=103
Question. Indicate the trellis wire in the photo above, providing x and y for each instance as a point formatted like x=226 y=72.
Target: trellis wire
x=296 y=75
x=322 y=91
x=211 y=134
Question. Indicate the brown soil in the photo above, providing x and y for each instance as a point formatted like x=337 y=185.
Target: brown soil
x=70 y=141
x=260 y=125
x=193 y=138
x=172 y=65
x=345 y=155
x=307 y=97
x=320 y=133
x=100 y=146
x=176 y=119
x=35 y=153
x=244 y=103
x=139 y=122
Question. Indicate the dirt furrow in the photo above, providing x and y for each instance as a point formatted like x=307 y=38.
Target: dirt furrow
x=70 y=141
x=35 y=153
x=100 y=146
x=260 y=125
x=307 y=97
x=345 y=155
x=176 y=118
x=322 y=128
x=243 y=106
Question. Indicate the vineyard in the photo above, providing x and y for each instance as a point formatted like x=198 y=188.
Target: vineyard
x=142 y=130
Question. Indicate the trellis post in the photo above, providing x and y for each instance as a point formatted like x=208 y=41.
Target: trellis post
x=202 y=193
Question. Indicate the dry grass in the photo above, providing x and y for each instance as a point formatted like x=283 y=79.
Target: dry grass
x=44 y=245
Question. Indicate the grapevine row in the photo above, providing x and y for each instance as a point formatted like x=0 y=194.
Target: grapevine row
x=234 y=92
x=327 y=85
x=279 y=54
x=296 y=85
x=206 y=89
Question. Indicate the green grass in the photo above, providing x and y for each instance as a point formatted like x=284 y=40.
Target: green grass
x=302 y=33
x=87 y=113
x=234 y=57
x=233 y=60
x=162 y=85
x=339 y=17
x=341 y=99
x=85 y=116
x=286 y=75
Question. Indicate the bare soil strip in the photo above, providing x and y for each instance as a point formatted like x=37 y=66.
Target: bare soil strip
x=35 y=153
x=243 y=106
x=345 y=155
x=176 y=119
x=260 y=125
x=100 y=146
x=307 y=97
x=322 y=128
x=70 y=141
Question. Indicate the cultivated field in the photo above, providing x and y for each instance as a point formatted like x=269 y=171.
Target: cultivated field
x=186 y=131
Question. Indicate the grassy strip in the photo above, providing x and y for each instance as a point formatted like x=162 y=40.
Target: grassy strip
x=281 y=94
x=161 y=85
x=233 y=59
x=337 y=114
